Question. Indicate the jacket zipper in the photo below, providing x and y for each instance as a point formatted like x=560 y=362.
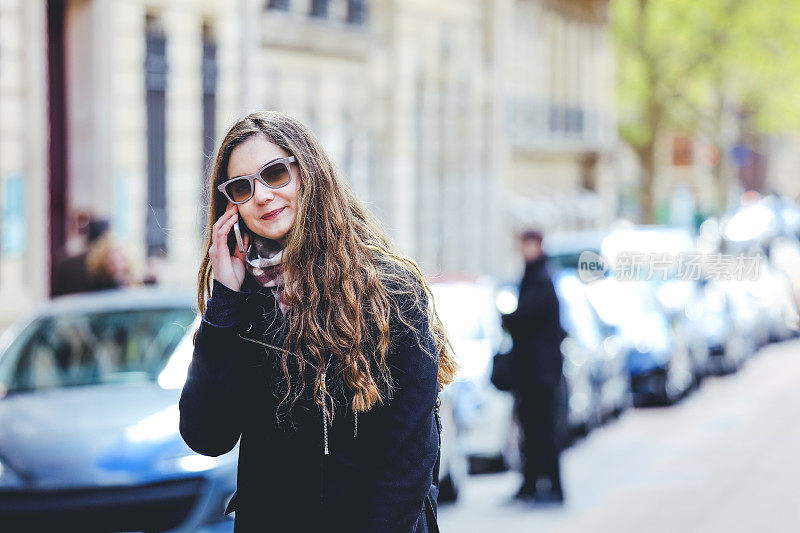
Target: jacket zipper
x=324 y=415
x=326 y=450
x=325 y=438
x=324 y=421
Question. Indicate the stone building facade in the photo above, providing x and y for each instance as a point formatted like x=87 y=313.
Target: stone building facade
x=456 y=121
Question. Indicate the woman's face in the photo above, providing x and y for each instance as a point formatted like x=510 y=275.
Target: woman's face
x=280 y=204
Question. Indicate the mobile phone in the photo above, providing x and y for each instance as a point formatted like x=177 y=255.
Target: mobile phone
x=238 y=233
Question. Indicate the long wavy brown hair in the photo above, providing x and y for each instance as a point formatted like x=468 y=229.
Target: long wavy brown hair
x=345 y=281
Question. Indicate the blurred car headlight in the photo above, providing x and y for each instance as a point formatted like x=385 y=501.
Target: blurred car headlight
x=159 y=426
x=8 y=478
x=644 y=345
x=161 y=429
x=191 y=462
x=506 y=301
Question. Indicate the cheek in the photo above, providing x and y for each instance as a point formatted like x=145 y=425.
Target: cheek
x=246 y=213
x=295 y=195
x=292 y=197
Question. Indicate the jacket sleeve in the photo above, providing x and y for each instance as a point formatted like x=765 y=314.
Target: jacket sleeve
x=211 y=404
x=408 y=440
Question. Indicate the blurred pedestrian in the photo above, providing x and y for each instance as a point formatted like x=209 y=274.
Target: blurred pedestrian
x=537 y=361
x=107 y=265
x=317 y=351
x=100 y=265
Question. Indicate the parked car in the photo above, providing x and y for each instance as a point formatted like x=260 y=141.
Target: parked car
x=580 y=410
x=660 y=369
x=698 y=332
x=710 y=311
x=773 y=290
x=595 y=344
x=453 y=465
x=483 y=414
x=89 y=389
x=663 y=358
x=767 y=226
x=784 y=255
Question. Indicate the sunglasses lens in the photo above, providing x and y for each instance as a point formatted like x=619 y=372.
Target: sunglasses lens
x=239 y=190
x=276 y=175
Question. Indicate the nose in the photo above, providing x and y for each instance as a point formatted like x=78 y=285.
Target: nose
x=262 y=193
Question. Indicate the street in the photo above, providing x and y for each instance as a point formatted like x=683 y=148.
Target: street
x=723 y=460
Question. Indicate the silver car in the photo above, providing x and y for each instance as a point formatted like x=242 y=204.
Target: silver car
x=89 y=389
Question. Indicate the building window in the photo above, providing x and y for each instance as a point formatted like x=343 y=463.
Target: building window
x=209 y=80
x=155 y=66
x=356 y=12
x=282 y=5
x=319 y=8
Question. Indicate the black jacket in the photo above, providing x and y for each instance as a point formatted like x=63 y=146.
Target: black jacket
x=379 y=465
x=536 y=329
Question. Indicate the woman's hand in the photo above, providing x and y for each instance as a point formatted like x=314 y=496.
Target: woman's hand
x=228 y=269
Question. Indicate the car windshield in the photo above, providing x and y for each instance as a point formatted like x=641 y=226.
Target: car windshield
x=78 y=349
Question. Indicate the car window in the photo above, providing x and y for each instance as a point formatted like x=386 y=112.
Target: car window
x=85 y=349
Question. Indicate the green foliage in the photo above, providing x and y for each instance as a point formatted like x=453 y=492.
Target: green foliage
x=679 y=61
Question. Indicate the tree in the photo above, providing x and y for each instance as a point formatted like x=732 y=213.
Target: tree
x=686 y=65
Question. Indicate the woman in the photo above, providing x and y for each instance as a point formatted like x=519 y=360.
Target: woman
x=317 y=346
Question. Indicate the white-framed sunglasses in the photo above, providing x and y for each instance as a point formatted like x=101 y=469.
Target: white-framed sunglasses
x=275 y=174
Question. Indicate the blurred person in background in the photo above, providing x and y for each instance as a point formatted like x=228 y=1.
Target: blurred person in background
x=107 y=265
x=101 y=265
x=537 y=334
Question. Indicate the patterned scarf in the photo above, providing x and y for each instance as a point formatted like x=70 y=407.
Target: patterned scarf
x=263 y=261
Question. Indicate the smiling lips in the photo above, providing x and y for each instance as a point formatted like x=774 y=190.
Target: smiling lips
x=272 y=214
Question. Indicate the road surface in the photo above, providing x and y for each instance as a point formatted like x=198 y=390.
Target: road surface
x=725 y=459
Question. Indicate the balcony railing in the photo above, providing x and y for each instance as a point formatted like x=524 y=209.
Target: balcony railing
x=535 y=124
x=355 y=14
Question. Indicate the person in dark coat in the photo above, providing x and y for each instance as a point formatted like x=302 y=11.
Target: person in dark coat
x=537 y=334
x=94 y=269
x=72 y=273
x=317 y=351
